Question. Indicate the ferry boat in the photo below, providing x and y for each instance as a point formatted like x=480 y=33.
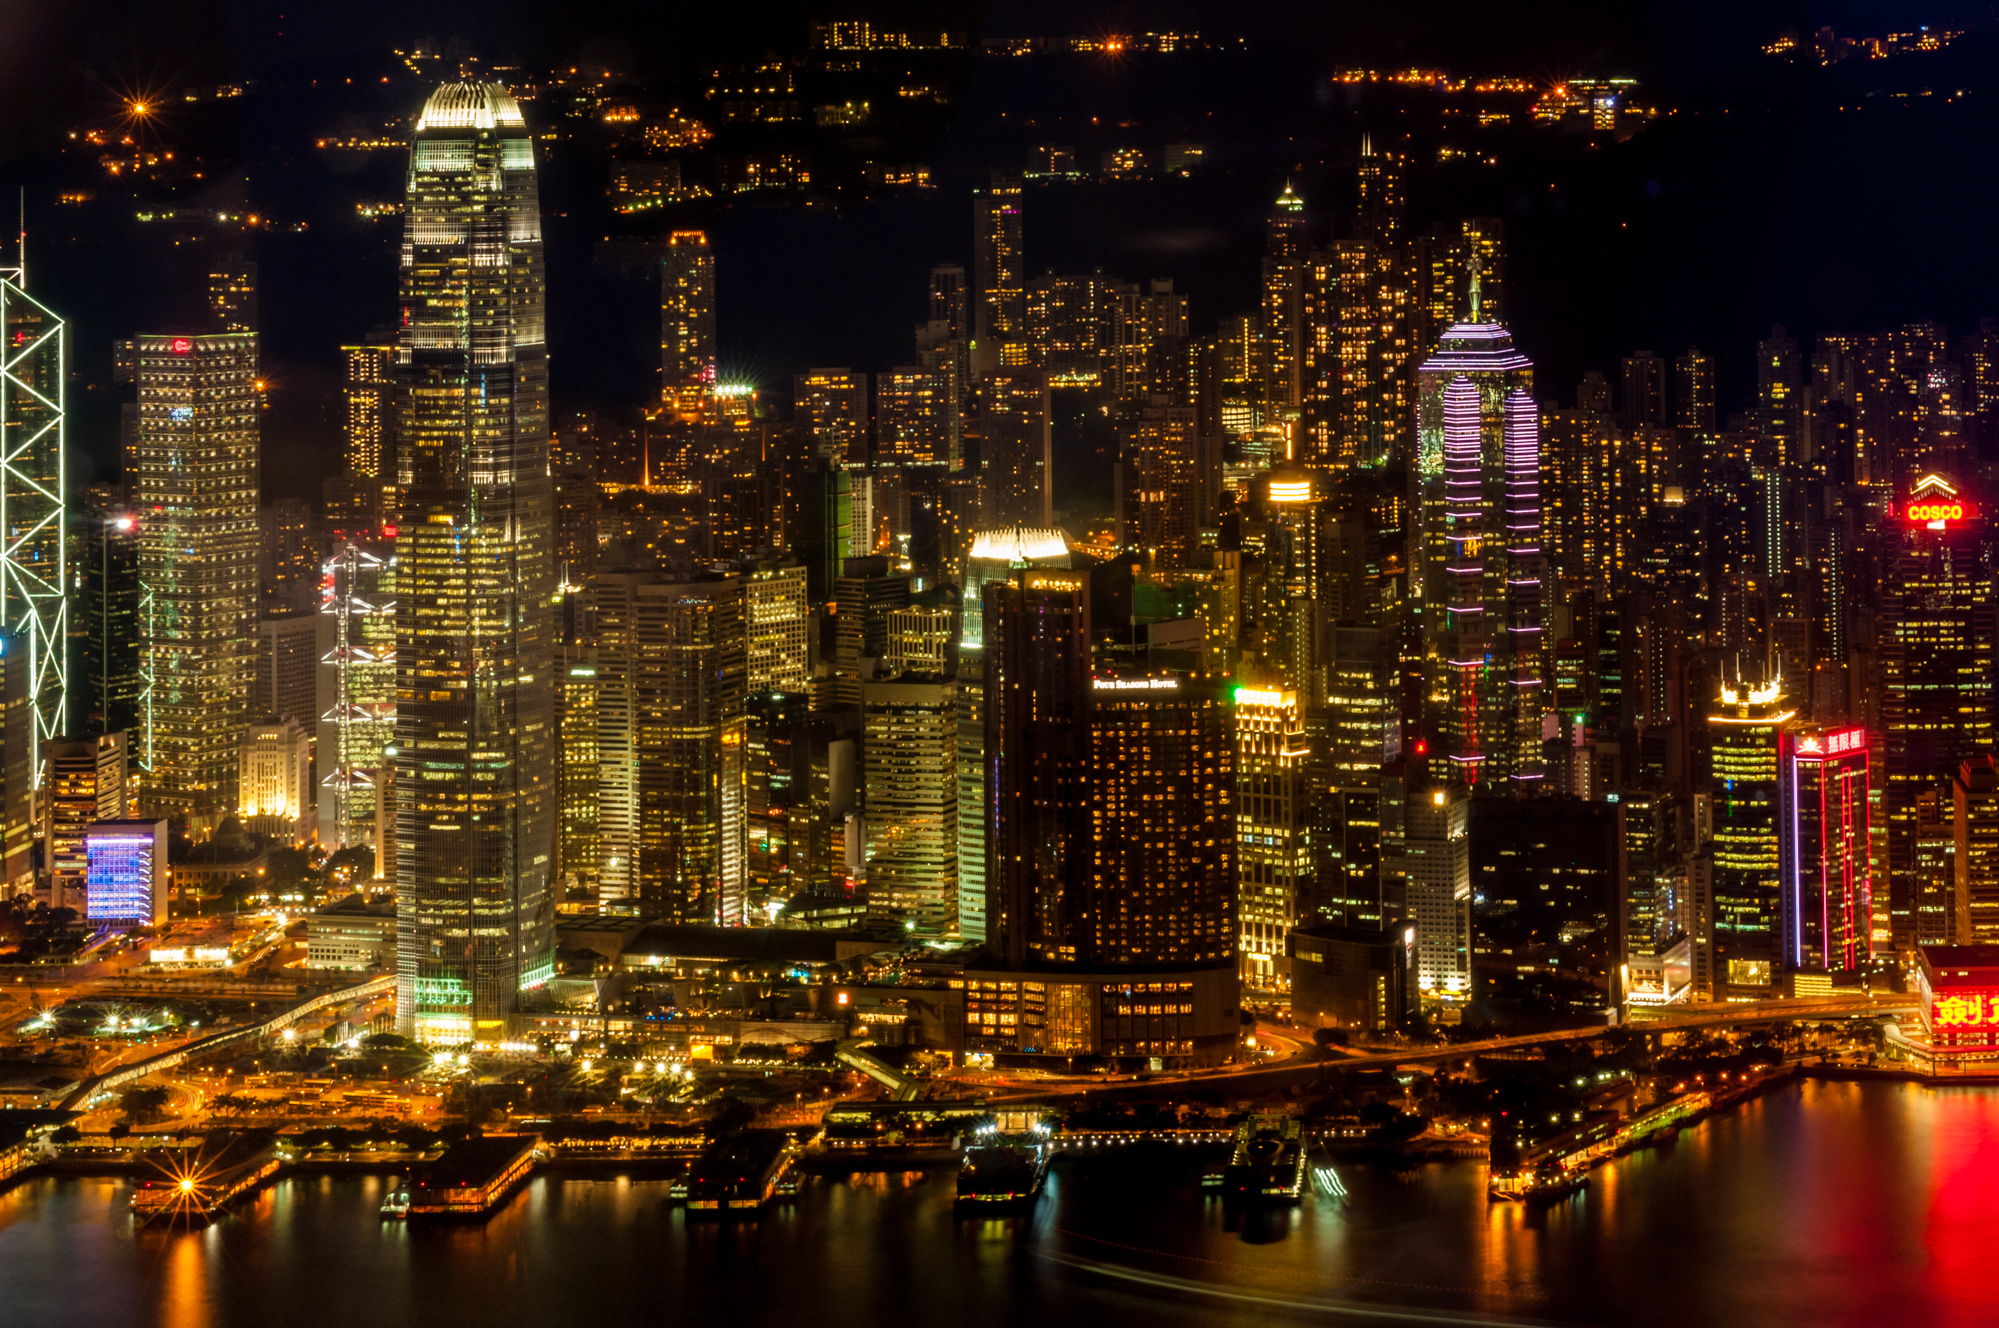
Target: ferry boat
x=397 y=1205
x=193 y=1186
x=1267 y=1164
x=740 y=1175
x=473 y=1178
x=1006 y=1166
x=1535 y=1184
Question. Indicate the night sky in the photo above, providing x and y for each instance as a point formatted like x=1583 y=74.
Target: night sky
x=1760 y=201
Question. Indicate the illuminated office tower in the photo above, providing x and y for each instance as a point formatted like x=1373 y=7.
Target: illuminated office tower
x=83 y=782
x=1479 y=482
x=1693 y=392
x=971 y=791
x=128 y=876
x=1015 y=449
x=1360 y=350
x=104 y=614
x=232 y=292
x=831 y=406
x=288 y=659
x=1159 y=798
x=910 y=751
x=670 y=669
x=1749 y=731
x=194 y=491
x=355 y=705
x=274 y=785
x=1445 y=260
x=775 y=622
x=1828 y=881
x=1273 y=849
x=920 y=639
x=1779 y=388
x=1110 y=858
x=1644 y=400
x=995 y=555
x=1159 y=484
x=777 y=789
x=867 y=592
x=1285 y=246
x=999 y=287
x=912 y=415
x=1037 y=648
x=1975 y=827
x=369 y=391
x=475 y=577
x=1936 y=645
x=686 y=323
x=579 y=837
x=34 y=558
x=1379 y=211
x=1436 y=865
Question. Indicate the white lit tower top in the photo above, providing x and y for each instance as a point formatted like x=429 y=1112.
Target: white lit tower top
x=33 y=520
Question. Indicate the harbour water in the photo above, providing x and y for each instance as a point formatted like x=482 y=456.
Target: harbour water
x=1826 y=1204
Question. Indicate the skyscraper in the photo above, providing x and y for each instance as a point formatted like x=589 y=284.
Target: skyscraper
x=1693 y=392
x=1015 y=451
x=910 y=749
x=1749 y=730
x=475 y=768
x=1937 y=659
x=368 y=388
x=34 y=482
x=105 y=615
x=1478 y=480
x=232 y=292
x=1273 y=844
x=194 y=489
x=1828 y=881
x=831 y=407
x=356 y=701
x=686 y=323
x=671 y=657
x=999 y=287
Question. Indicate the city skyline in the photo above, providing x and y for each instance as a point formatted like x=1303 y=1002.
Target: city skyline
x=1165 y=668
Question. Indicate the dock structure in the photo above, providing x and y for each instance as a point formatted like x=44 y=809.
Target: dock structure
x=473 y=1178
x=739 y=1175
x=192 y=1186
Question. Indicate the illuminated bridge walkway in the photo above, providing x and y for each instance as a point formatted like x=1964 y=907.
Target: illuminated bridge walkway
x=167 y=1060
x=901 y=1087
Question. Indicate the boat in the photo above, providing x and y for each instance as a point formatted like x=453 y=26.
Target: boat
x=473 y=1177
x=1005 y=1167
x=1535 y=1184
x=1267 y=1164
x=397 y=1205
x=192 y=1186
x=739 y=1175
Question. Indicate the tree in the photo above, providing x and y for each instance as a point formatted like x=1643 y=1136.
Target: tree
x=143 y=1106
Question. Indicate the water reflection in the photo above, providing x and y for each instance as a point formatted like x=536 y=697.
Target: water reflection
x=1833 y=1204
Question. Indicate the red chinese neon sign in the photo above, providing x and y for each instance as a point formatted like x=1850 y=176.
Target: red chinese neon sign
x=1839 y=742
x=181 y=346
x=1965 y=1010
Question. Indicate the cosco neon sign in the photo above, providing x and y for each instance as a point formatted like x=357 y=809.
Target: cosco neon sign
x=1932 y=512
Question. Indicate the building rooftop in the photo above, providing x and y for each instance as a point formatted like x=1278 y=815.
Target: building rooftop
x=746 y=945
x=472 y=1162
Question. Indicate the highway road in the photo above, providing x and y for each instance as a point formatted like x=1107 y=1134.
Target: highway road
x=1302 y=1067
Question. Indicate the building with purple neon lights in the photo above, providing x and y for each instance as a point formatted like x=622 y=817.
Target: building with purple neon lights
x=125 y=873
x=1478 y=481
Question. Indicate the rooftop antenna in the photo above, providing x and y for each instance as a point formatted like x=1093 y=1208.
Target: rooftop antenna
x=1474 y=284
x=21 y=244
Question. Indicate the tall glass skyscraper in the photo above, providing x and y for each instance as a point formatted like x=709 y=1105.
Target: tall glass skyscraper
x=33 y=482
x=475 y=763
